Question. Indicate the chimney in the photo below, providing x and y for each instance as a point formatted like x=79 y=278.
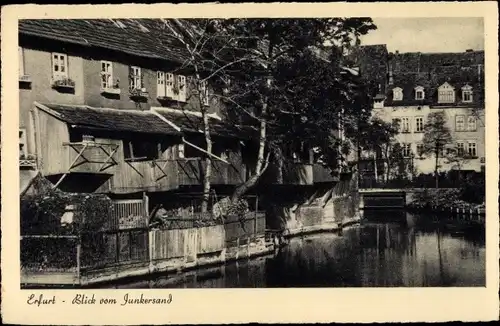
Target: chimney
x=469 y=50
x=391 y=78
x=396 y=52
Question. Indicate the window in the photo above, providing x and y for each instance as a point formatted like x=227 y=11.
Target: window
x=106 y=75
x=397 y=94
x=471 y=123
x=406 y=150
x=140 y=150
x=460 y=148
x=160 y=84
x=405 y=125
x=59 y=66
x=419 y=93
x=467 y=94
x=472 y=149
x=181 y=88
x=204 y=93
x=420 y=150
x=21 y=61
x=446 y=93
x=419 y=124
x=23 y=151
x=135 y=77
x=169 y=85
x=459 y=123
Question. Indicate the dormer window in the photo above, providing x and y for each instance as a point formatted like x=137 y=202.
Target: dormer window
x=419 y=93
x=397 y=94
x=467 y=94
x=446 y=93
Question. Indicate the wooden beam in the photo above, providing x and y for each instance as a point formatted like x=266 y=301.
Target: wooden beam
x=204 y=151
x=59 y=181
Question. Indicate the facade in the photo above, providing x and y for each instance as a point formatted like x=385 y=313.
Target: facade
x=418 y=84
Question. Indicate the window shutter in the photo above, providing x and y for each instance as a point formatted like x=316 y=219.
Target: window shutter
x=160 y=84
x=141 y=75
x=169 y=85
x=182 y=88
x=131 y=78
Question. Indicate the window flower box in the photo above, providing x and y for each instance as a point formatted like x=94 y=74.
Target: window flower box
x=138 y=93
x=63 y=83
x=25 y=79
x=114 y=90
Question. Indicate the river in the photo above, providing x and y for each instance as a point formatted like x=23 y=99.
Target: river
x=388 y=249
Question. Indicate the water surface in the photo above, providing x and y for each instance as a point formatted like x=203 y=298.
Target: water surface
x=388 y=249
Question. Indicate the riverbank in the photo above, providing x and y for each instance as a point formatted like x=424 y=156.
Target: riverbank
x=448 y=201
x=176 y=264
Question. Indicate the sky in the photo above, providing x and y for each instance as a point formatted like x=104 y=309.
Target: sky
x=455 y=34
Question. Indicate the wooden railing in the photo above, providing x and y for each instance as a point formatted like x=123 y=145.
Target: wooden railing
x=322 y=174
x=190 y=172
x=91 y=157
x=293 y=173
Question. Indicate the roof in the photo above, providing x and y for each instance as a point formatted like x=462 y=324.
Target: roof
x=431 y=82
x=192 y=122
x=110 y=119
x=149 y=38
x=416 y=62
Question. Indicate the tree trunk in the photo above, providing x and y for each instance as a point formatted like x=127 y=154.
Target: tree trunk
x=262 y=162
x=436 y=176
x=208 y=141
x=386 y=166
x=279 y=160
x=260 y=165
x=208 y=163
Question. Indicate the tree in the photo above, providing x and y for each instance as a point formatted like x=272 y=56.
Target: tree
x=204 y=44
x=436 y=137
x=377 y=136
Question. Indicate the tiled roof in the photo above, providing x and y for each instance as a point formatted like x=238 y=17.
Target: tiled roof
x=416 y=62
x=112 y=119
x=193 y=123
x=147 y=38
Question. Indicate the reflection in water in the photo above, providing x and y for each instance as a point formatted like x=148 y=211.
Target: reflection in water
x=396 y=249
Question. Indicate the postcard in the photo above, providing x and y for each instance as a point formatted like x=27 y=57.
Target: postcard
x=237 y=163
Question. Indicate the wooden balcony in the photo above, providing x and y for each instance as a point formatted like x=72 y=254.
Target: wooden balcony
x=292 y=173
x=322 y=174
x=91 y=157
x=190 y=172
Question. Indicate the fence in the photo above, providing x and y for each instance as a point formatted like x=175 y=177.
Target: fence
x=111 y=248
x=128 y=214
x=239 y=231
x=186 y=243
x=56 y=253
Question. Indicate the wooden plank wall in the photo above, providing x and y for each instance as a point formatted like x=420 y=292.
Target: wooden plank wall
x=176 y=243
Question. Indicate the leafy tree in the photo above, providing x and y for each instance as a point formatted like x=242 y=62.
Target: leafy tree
x=377 y=136
x=436 y=137
x=282 y=89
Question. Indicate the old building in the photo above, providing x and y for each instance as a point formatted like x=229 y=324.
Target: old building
x=417 y=84
x=106 y=106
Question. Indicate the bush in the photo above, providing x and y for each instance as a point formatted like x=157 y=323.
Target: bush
x=41 y=212
x=474 y=190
